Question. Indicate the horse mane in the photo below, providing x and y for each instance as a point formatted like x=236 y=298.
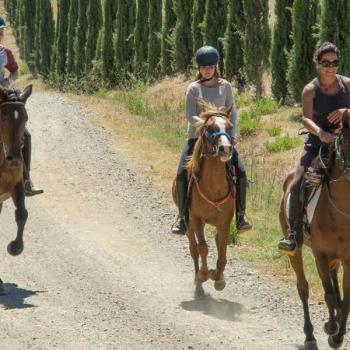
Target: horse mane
x=208 y=110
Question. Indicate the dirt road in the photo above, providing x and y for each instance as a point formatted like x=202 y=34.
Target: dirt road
x=100 y=269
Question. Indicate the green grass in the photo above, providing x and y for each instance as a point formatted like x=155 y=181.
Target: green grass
x=243 y=99
x=23 y=68
x=264 y=106
x=274 y=130
x=283 y=143
x=248 y=124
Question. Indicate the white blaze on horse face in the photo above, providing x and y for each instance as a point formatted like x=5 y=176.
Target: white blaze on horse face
x=16 y=114
x=220 y=122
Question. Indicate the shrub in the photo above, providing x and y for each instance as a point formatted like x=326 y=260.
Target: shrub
x=283 y=143
x=274 y=130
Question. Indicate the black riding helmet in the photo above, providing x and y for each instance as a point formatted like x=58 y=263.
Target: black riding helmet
x=207 y=56
x=2 y=23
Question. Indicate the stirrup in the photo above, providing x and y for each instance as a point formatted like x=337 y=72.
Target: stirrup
x=30 y=190
x=291 y=237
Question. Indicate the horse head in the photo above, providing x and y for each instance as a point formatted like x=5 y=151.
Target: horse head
x=214 y=126
x=13 y=117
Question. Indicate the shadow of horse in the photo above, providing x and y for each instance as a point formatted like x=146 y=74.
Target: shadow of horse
x=15 y=297
x=221 y=309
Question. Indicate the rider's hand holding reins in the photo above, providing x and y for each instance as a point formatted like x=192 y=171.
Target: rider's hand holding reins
x=336 y=116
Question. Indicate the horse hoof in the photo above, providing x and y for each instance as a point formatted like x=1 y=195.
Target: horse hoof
x=15 y=248
x=310 y=345
x=335 y=343
x=329 y=331
x=220 y=285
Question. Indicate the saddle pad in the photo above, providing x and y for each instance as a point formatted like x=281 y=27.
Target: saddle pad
x=311 y=206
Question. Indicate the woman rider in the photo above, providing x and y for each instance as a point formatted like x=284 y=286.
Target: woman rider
x=8 y=62
x=213 y=89
x=324 y=101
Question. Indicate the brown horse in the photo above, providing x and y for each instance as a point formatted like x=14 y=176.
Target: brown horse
x=212 y=197
x=13 y=117
x=330 y=242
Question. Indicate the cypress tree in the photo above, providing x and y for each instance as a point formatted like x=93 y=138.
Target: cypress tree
x=168 y=24
x=141 y=32
x=183 y=36
x=20 y=29
x=107 y=52
x=37 y=35
x=71 y=33
x=154 y=27
x=214 y=25
x=61 y=44
x=335 y=17
x=47 y=33
x=256 y=41
x=197 y=25
x=94 y=20
x=281 y=46
x=80 y=39
x=233 y=43
x=301 y=69
x=28 y=32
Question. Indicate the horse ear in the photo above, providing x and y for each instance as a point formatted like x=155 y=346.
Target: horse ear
x=26 y=93
x=228 y=109
x=346 y=119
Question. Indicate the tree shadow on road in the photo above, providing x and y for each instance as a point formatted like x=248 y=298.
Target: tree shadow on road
x=219 y=308
x=15 y=297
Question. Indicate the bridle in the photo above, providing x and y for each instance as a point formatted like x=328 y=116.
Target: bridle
x=212 y=137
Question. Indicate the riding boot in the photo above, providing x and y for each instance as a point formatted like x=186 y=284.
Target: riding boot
x=180 y=225
x=241 y=224
x=294 y=239
x=29 y=188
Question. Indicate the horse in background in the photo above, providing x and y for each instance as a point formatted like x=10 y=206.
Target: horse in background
x=13 y=117
x=329 y=241
x=211 y=191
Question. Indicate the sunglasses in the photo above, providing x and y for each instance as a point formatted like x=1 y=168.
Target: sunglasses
x=329 y=64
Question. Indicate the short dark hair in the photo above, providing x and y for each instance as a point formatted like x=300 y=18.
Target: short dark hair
x=324 y=48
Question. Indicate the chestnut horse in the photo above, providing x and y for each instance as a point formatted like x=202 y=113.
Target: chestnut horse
x=212 y=197
x=330 y=242
x=13 y=117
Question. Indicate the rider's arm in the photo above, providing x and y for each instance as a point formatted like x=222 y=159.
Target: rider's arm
x=191 y=105
x=307 y=99
x=11 y=66
x=230 y=101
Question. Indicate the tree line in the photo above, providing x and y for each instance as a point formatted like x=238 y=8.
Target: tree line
x=112 y=42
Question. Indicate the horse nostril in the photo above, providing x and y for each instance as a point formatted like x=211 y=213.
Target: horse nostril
x=221 y=148
x=9 y=158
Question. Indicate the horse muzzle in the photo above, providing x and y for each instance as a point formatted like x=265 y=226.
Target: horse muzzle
x=224 y=152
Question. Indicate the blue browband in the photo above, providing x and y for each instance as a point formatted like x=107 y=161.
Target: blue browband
x=212 y=136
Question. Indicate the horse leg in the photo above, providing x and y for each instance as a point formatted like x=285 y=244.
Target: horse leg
x=335 y=341
x=303 y=290
x=21 y=214
x=331 y=327
x=334 y=277
x=198 y=226
x=221 y=239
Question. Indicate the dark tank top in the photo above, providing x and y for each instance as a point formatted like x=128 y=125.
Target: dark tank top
x=325 y=104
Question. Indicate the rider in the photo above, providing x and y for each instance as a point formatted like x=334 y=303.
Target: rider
x=324 y=101
x=8 y=61
x=213 y=89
